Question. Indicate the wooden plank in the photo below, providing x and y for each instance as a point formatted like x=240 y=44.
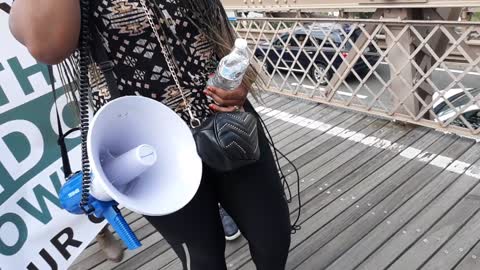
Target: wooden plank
x=350 y=174
x=358 y=220
x=317 y=157
x=322 y=144
x=464 y=240
x=274 y=101
x=288 y=129
x=396 y=245
x=299 y=132
x=328 y=161
x=160 y=262
x=298 y=109
x=305 y=111
x=372 y=159
x=269 y=111
x=294 y=147
x=174 y=265
x=270 y=115
x=348 y=152
x=261 y=97
x=381 y=139
x=343 y=164
x=301 y=151
x=440 y=232
x=148 y=254
x=449 y=187
x=312 y=131
x=278 y=123
x=471 y=260
x=284 y=104
x=322 y=213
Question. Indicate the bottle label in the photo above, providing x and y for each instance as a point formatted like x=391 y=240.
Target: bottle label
x=228 y=73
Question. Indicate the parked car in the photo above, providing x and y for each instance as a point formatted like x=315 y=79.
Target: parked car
x=460 y=100
x=316 y=37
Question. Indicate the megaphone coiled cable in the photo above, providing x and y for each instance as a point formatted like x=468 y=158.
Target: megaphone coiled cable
x=84 y=88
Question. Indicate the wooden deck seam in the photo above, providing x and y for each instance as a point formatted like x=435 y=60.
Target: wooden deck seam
x=416 y=187
x=392 y=214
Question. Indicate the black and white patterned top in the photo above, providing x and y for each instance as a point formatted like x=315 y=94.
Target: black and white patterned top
x=139 y=65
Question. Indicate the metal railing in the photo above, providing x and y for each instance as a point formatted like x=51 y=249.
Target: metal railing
x=406 y=75
x=287 y=5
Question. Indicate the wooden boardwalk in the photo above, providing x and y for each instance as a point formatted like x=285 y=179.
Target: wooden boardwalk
x=376 y=195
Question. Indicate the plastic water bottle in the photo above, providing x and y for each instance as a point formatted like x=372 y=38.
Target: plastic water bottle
x=232 y=67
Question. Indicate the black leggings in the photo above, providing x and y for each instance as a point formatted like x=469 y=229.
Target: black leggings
x=253 y=196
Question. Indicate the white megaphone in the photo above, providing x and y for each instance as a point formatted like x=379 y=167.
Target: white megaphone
x=143 y=156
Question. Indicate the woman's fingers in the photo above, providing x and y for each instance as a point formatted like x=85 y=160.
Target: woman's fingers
x=217 y=99
x=223 y=109
x=227 y=97
x=236 y=94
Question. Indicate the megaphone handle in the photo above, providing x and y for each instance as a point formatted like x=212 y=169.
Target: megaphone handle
x=118 y=223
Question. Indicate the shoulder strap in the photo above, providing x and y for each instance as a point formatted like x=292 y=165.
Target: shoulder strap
x=67 y=170
x=104 y=63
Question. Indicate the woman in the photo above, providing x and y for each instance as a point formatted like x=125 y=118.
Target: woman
x=198 y=34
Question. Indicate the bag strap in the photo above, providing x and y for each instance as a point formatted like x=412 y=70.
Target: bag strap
x=67 y=170
x=194 y=122
x=104 y=63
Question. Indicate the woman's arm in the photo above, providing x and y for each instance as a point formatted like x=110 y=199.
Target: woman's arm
x=48 y=28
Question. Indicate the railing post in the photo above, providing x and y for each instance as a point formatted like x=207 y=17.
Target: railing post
x=401 y=68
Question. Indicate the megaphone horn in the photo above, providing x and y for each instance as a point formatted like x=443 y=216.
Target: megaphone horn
x=143 y=157
x=132 y=177
x=137 y=160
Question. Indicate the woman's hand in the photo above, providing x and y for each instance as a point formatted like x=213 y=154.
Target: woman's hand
x=227 y=100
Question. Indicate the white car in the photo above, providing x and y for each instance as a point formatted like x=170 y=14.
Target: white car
x=460 y=101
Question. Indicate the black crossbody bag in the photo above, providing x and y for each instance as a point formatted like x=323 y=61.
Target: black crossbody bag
x=225 y=141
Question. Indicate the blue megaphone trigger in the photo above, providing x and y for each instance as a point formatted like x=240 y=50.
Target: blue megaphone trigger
x=70 y=197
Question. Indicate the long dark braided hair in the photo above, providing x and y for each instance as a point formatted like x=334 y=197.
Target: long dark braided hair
x=210 y=17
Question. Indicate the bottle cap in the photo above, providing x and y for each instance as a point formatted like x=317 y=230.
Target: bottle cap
x=241 y=43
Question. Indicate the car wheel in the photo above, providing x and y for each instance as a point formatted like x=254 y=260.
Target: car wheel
x=319 y=75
